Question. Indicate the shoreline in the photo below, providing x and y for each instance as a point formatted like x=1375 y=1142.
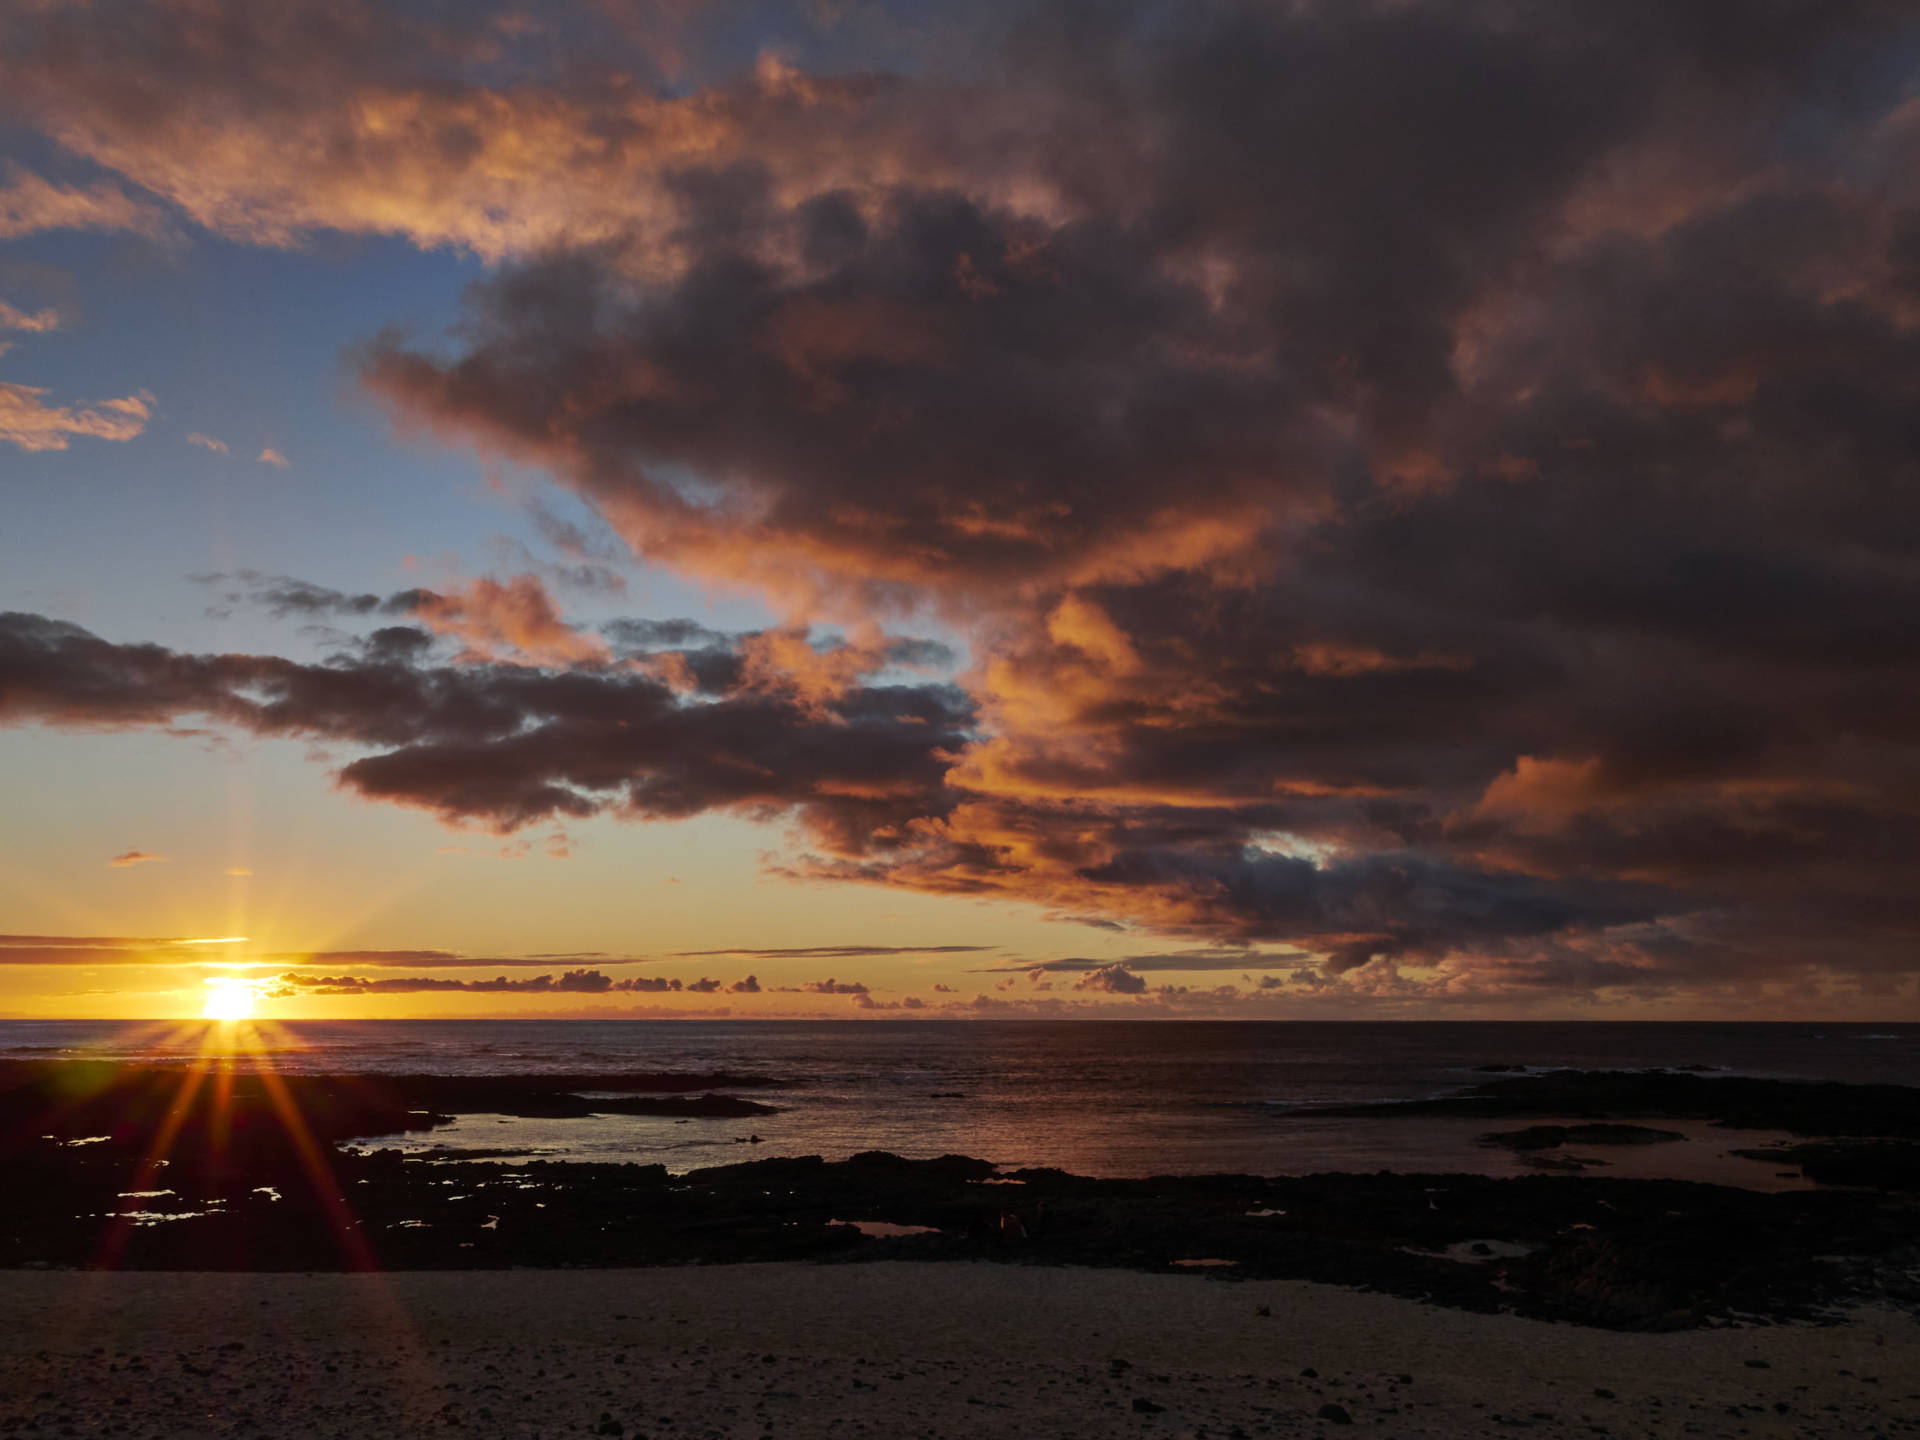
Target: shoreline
x=246 y=1172
x=892 y=1348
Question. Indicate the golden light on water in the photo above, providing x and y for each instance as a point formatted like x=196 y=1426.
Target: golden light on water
x=230 y=999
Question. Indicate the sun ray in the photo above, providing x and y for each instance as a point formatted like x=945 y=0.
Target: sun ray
x=113 y=1242
x=354 y=1249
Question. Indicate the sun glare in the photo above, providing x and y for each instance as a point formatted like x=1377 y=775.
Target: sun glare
x=230 y=1000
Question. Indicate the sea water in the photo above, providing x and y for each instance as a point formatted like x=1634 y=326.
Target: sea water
x=1096 y=1098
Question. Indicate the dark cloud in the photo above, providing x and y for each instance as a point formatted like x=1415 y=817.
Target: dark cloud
x=640 y=637
x=282 y=596
x=1177 y=960
x=825 y=987
x=863 y=1001
x=504 y=745
x=571 y=982
x=1112 y=980
x=659 y=984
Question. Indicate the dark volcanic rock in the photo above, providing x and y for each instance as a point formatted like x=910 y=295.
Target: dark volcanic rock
x=1881 y=1165
x=1334 y=1414
x=1549 y=1137
x=80 y=1098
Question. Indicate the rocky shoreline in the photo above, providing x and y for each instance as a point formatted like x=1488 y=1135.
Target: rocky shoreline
x=172 y=1186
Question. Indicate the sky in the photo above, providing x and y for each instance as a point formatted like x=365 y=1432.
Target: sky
x=1387 y=508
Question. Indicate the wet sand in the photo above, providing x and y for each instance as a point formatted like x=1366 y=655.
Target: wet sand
x=891 y=1349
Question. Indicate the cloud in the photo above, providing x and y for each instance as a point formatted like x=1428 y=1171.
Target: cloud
x=33 y=425
x=571 y=982
x=355 y=117
x=750 y=985
x=826 y=987
x=514 y=618
x=639 y=636
x=39 y=322
x=29 y=204
x=232 y=950
x=1112 y=980
x=833 y=952
x=1178 y=960
x=207 y=442
x=861 y=1000
x=114 y=949
x=505 y=746
x=283 y=595
x=134 y=857
x=655 y=983
x=273 y=457
x=518 y=619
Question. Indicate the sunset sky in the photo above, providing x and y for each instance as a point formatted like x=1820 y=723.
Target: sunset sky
x=1365 y=508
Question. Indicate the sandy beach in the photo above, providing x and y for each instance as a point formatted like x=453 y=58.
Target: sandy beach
x=887 y=1349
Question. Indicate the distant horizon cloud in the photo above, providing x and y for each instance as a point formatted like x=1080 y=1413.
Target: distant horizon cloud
x=134 y=857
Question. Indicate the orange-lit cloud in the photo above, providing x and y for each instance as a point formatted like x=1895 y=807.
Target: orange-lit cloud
x=30 y=423
x=115 y=949
x=134 y=857
x=514 y=619
x=30 y=203
x=38 y=322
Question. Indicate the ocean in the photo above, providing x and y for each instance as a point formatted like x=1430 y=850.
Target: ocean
x=1110 y=1098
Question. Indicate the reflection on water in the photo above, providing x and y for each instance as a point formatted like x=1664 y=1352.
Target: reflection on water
x=1267 y=1145
x=884 y=1230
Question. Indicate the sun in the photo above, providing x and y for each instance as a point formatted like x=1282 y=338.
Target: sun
x=230 y=1000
